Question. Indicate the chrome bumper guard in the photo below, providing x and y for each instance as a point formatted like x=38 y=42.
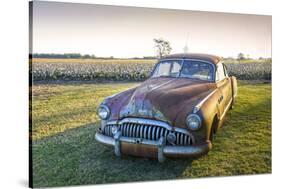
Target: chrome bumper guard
x=163 y=151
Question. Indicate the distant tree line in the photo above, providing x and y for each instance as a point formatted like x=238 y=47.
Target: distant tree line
x=240 y=57
x=79 y=56
x=246 y=58
x=65 y=55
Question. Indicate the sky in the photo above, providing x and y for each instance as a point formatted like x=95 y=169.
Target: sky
x=126 y=32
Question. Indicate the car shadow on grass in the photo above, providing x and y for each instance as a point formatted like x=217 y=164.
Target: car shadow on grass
x=74 y=157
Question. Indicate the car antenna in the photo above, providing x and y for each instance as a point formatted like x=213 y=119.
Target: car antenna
x=185 y=49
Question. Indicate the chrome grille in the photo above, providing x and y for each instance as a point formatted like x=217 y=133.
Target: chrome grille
x=150 y=132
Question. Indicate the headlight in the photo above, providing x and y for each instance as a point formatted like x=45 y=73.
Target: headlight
x=103 y=112
x=193 y=122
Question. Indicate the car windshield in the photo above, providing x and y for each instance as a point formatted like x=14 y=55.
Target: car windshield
x=195 y=69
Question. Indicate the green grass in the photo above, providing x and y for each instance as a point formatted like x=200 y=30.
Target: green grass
x=66 y=153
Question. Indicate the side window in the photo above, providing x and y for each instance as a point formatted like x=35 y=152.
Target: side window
x=163 y=69
x=225 y=70
x=175 y=69
x=220 y=75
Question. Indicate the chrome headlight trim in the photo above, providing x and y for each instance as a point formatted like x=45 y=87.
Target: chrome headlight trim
x=106 y=109
x=188 y=122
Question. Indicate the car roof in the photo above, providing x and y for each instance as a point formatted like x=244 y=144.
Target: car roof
x=205 y=57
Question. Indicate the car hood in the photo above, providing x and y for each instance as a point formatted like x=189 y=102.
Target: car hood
x=161 y=98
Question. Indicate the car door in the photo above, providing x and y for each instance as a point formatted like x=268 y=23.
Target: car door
x=229 y=87
x=224 y=86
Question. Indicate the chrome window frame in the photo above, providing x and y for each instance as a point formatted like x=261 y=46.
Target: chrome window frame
x=225 y=70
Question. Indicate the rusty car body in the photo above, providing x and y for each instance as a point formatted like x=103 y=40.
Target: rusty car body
x=174 y=113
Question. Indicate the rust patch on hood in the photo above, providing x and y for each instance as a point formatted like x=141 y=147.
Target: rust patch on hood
x=162 y=98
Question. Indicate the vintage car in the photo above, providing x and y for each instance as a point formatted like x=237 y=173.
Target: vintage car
x=174 y=113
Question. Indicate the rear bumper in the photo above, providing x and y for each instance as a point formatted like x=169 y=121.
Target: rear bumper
x=162 y=150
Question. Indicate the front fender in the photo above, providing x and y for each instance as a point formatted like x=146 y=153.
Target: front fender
x=116 y=102
x=208 y=111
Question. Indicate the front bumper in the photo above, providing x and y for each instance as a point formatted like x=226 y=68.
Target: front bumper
x=162 y=150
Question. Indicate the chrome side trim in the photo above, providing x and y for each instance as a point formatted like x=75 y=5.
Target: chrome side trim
x=225 y=110
x=198 y=106
x=151 y=122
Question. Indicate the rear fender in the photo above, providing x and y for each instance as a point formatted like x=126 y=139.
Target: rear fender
x=234 y=86
x=234 y=89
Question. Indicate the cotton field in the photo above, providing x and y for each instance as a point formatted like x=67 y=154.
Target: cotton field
x=127 y=71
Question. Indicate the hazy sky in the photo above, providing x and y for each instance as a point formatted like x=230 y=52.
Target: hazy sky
x=129 y=31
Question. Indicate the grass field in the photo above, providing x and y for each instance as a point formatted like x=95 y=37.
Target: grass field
x=65 y=152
